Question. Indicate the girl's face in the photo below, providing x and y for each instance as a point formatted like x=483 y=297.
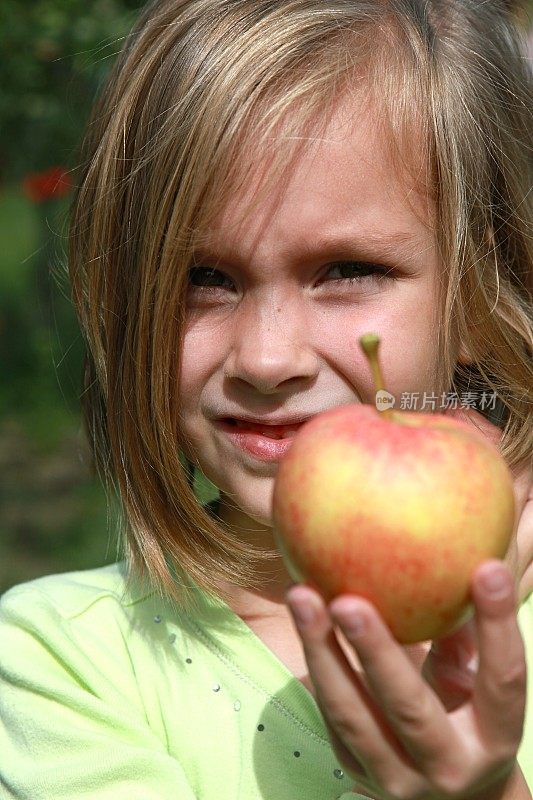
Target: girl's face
x=278 y=300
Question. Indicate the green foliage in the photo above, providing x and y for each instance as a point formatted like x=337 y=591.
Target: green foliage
x=54 y=55
x=53 y=514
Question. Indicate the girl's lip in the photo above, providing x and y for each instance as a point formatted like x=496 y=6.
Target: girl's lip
x=261 y=446
x=272 y=430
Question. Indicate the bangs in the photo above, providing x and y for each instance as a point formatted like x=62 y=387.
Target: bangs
x=292 y=110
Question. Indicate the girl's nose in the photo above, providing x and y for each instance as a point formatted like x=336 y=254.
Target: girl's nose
x=271 y=349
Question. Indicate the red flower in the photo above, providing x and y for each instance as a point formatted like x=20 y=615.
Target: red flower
x=41 y=186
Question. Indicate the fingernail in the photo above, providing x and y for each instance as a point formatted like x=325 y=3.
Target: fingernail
x=350 y=618
x=354 y=625
x=495 y=580
x=303 y=611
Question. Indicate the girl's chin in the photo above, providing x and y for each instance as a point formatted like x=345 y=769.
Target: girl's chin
x=242 y=512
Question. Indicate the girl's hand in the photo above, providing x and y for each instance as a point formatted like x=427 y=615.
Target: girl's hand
x=454 y=730
x=452 y=661
x=390 y=730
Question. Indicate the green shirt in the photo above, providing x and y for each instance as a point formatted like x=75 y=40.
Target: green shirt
x=108 y=695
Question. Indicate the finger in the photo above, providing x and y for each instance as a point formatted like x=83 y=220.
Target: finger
x=412 y=709
x=500 y=687
x=344 y=701
x=451 y=666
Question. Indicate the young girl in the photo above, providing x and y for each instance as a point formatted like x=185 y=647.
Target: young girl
x=262 y=182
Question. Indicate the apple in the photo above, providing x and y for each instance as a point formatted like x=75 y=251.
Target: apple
x=395 y=506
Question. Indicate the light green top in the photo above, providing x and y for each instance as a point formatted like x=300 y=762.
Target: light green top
x=108 y=696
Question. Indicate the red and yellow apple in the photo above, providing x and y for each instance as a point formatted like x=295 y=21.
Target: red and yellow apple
x=398 y=507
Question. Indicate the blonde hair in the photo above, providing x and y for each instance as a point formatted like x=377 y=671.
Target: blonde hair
x=202 y=87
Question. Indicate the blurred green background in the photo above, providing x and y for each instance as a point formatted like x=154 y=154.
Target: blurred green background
x=54 y=56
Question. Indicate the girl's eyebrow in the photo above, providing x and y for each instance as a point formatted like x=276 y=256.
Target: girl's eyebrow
x=392 y=244
x=386 y=244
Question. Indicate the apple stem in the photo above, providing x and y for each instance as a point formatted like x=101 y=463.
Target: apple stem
x=370 y=345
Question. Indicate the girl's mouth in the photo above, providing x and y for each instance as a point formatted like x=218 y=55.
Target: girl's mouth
x=271 y=431
x=263 y=442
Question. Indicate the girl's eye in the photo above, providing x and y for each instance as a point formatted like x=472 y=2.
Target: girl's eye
x=208 y=278
x=353 y=271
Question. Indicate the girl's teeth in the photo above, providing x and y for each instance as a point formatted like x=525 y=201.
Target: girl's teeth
x=272 y=431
